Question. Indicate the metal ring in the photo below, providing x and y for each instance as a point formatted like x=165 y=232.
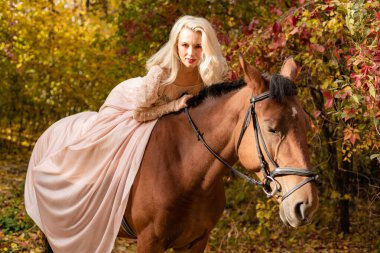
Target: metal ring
x=267 y=182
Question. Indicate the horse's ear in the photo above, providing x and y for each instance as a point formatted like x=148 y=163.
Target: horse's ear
x=251 y=75
x=289 y=68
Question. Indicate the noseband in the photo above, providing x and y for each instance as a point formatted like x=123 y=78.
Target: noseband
x=269 y=177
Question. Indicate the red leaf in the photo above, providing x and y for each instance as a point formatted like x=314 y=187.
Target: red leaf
x=329 y=103
x=279 y=42
x=349 y=134
x=358 y=83
x=354 y=138
x=317 y=113
x=378 y=15
x=293 y=20
x=376 y=58
x=252 y=25
x=317 y=47
x=376 y=82
x=232 y=75
x=327 y=94
x=337 y=52
x=274 y=10
x=257 y=61
x=330 y=8
x=353 y=76
x=349 y=113
x=329 y=99
x=305 y=36
x=229 y=57
x=224 y=39
x=246 y=31
x=294 y=31
x=277 y=28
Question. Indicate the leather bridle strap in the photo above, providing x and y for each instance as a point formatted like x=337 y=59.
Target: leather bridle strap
x=247 y=118
x=234 y=171
x=269 y=177
x=285 y=171
x=279 y=171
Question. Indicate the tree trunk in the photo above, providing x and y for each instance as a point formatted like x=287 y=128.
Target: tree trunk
x=343 y=187
x=341 y=176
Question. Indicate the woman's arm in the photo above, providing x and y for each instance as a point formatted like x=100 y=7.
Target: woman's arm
x=147 y=93
x=153 y=113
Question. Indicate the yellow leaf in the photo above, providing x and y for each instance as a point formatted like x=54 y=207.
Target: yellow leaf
x=335 y=195
x=346 y=197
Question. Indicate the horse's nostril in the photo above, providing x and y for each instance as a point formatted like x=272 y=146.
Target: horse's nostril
x=299 y=210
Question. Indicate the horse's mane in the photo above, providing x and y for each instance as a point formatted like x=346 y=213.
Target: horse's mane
x=280 y=86
x=215 y=90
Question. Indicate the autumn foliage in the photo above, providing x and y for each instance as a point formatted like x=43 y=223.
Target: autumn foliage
x=58 y=58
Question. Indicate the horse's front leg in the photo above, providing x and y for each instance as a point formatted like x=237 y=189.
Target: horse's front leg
x=197 y=246
x=147 y=242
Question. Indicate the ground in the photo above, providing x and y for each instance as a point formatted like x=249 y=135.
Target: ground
x=18 y=233
x=236 y=232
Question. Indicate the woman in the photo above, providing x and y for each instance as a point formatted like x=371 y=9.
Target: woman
x=82 y=168
x=189 y=60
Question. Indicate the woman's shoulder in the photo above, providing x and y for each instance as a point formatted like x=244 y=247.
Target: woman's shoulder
x=157 y=73
x=157 y=70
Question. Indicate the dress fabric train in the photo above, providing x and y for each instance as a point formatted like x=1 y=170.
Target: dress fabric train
x=81 y=172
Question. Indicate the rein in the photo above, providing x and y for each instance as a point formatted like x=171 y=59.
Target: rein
x=268 y=176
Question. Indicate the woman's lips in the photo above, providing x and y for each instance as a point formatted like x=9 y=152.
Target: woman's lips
x=190 y=60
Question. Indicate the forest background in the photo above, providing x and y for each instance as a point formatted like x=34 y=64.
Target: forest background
x=60 y=57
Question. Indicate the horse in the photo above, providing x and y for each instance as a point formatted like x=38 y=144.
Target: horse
x=178 y=194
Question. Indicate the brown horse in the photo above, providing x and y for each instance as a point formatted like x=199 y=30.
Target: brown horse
x=178 y=194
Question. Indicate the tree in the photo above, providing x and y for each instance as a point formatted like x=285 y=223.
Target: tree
x=337 y=46
x=56 y=60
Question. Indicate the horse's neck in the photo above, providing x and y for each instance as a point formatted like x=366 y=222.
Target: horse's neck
x=216 y=119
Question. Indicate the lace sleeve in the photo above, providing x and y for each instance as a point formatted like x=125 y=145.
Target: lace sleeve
x=147 y=93
x=156 y=112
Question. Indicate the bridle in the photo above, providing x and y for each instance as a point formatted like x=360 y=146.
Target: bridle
x=269 y=177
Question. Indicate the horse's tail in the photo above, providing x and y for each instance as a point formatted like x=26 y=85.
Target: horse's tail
x=47 y=245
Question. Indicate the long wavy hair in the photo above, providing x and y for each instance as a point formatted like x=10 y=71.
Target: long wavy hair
x=212 y=68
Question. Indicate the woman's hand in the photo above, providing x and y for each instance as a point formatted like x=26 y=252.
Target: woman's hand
x=181 y=102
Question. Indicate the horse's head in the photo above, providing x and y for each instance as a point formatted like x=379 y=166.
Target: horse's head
x=275 y=128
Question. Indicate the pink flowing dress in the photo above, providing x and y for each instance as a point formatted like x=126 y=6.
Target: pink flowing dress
x=83 y=166
x=81 y=172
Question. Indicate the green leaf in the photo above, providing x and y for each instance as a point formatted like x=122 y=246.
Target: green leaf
x=355 y=98
x=372 y=91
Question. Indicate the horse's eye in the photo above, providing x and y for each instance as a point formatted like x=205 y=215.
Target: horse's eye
x=272 y=130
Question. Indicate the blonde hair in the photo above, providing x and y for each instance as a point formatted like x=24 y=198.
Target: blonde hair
x=212 y=68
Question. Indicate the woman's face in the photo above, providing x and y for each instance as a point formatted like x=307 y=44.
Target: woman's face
x=190 y=48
